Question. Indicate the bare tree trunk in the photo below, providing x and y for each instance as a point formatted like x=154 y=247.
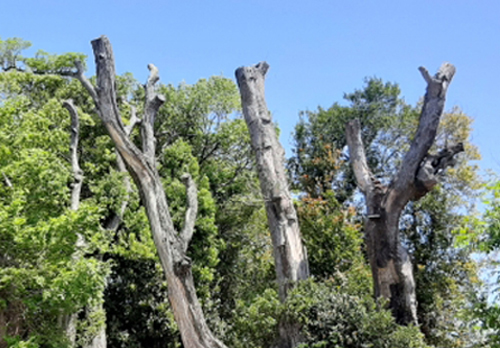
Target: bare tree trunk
x=391 y=265
x=69 y=321
x=171 y=244
x=290 y=254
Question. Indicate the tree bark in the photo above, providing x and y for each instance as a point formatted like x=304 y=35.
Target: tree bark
x=290 y=254
x=76 y=186
x=69 y=321
x=391 y=265
x=171 y=244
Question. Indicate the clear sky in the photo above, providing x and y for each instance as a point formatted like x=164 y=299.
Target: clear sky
x=317 y=49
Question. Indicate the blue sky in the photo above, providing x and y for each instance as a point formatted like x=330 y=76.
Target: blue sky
x=317 y=49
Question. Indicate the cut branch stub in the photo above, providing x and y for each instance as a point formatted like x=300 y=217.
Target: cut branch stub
x=106 y=80
x=153 y=103
x=134 y=120
x=438 y=84
x=290 y=255
x=251 y=83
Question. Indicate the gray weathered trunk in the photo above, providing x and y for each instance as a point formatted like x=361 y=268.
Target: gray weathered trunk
x=290 y=255
x=69 y=321
x=171 y=244
x=391 y=265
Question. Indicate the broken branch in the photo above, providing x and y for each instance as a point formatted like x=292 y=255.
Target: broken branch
x=191 y=211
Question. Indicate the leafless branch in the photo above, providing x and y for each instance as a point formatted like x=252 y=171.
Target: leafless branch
x=77 y=171
x=425 y=73
x=134 y=120
x=153 y=103
x=357 y=156
x=432 y=110
x=80 y=76
x=191 y=211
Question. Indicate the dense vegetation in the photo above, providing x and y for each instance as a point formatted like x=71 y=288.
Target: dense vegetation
x=114 y=279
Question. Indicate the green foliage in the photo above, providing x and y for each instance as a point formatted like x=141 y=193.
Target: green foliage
x=43 y=275
x=44 y=62
x=483 y=234
x=10 y=52
x=333 y=239
x=255 y=321
x=195 y=135
x=445 y=275
x=490 y=223
x=317 y=163
x=196 y=113
x=489 y=319
x=136 y=305
x=334 y=318
x=205 y=245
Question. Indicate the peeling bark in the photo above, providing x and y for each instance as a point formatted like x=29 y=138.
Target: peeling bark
x=290 y=255
x=391 y=265
x=171 y=244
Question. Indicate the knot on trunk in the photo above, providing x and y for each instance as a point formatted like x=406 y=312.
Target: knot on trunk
x=432 y=166
x=182 y=265
x=378 y=187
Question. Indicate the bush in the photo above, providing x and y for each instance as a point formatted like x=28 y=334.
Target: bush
x=335 y=319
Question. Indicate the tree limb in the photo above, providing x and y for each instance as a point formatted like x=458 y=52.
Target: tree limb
x=134 y=120
x=77 y=171
x=114 y=222
x=357 y=156
x=432 y=110
x=108 y=110
x=431 y=166
x=191 y=211
x=153 y=103
x=80 y=76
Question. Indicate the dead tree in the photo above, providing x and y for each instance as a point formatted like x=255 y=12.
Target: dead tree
x=171 y=244
x=69 y=321
x=290 y=255
x=391 y=265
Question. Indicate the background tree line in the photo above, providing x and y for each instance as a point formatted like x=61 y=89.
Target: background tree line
x=114 y=283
